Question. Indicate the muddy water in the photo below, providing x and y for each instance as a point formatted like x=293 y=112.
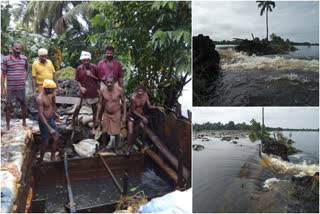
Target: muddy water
x=100 y=191
x=277 y=80
x=232 y=177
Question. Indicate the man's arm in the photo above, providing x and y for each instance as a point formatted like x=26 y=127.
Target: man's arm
x=99 y=107
x=133 y=108
x=123 y=100
x=34 y=82
x=121 y=82
x=55 y=79
x=154 y=107
x=3 y=88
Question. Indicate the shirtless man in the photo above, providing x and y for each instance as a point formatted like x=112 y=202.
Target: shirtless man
x=47 y=116
x=110 y=97
x=138 y=100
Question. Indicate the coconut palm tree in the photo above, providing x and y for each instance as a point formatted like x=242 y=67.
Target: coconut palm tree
x=266 y=6
x=50 y=16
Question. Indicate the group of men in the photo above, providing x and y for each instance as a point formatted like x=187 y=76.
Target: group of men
x=100 y=85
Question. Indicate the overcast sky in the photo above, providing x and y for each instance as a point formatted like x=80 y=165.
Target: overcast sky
x=292 y=117
x=297 y=21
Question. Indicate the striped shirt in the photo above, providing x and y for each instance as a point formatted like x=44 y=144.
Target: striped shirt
x=15 y=72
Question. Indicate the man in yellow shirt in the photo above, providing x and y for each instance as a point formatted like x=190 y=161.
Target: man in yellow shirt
x=42 y=69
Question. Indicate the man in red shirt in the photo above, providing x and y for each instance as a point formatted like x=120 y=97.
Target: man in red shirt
x=15 y=69
x=110 y=65
x=87 y=77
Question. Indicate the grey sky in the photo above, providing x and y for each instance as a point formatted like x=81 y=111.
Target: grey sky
x=225 y=20
x=292 y=117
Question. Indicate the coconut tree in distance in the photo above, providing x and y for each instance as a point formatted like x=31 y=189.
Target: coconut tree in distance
x=266 y=6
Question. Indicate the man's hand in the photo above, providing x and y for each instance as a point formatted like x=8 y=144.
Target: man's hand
x=88 y=72
x=97 y=122
x=56 y=115
x=54 y=134
x=83 y=90
x=35 y=94
x=161 y=109
x=145 y=120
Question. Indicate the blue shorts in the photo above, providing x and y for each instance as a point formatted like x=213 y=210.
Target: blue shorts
x=45 y=134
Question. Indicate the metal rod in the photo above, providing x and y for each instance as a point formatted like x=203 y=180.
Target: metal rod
x=111 y=174
x=71 y=204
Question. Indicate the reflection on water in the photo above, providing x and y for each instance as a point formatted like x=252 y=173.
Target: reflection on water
x=235 y=177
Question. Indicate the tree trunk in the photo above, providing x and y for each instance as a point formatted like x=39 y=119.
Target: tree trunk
x=267 y=24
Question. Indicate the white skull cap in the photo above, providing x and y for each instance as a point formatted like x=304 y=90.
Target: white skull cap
x=85 y=55
x=42 y=51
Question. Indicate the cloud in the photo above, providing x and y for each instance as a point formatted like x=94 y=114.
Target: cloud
x=298 y=21
x=285 y=117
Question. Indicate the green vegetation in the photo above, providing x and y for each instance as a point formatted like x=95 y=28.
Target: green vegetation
x=239 y=126
x=152 y=40
x=287 y=142
x=66 y=73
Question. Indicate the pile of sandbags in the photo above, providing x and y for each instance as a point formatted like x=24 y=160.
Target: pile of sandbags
x=13 y=147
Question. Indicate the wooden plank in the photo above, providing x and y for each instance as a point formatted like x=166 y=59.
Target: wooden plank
x=67 y=100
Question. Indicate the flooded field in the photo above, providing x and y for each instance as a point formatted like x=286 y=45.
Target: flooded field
x=231 y=175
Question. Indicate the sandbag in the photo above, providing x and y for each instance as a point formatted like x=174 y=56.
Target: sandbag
x=86 y=148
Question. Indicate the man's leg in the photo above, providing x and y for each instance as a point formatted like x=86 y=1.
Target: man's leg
x=24 y=112
x=116 y=143
x=130 y=135
x=43 y=148
x=53 y=149
x=74 y=115
x=94 y=111
x=8 y=115
x=105 y=140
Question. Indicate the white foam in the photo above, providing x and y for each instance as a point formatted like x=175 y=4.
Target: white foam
x=237 y=61
x=268 y=182
x=298 y=170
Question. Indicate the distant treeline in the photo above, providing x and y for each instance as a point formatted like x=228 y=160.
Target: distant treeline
x=237 y=42
x=239 y=126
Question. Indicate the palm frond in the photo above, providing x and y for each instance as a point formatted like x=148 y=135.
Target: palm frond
x=70 y=16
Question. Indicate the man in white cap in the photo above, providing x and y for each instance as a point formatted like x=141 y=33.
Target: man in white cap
x=42 y=69
x=88 y=82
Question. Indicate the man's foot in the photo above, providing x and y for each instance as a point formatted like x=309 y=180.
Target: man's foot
x=70 y=127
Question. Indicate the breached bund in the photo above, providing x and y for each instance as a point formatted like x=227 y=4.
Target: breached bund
x=22 y=178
